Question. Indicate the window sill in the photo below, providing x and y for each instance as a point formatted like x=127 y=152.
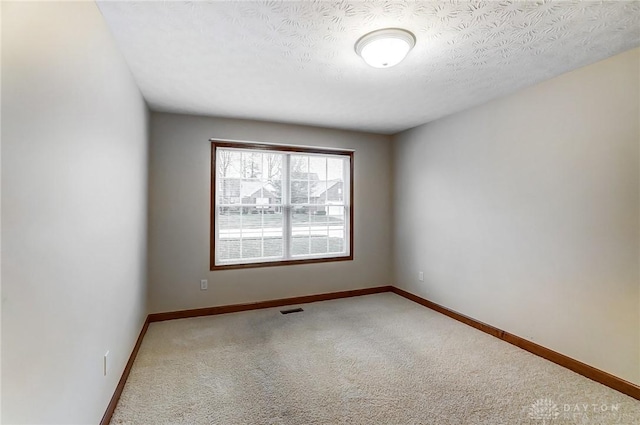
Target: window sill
x=280 y=263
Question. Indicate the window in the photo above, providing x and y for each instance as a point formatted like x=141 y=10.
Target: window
x=276 y=205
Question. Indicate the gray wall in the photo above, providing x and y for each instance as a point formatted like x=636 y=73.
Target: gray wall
x=180 y=170
x=74 y=172
x=523 y=213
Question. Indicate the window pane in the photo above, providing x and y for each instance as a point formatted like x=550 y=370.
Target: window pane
x=299 y=245
x=251 y=247
x=318 y=217
x=251 y=165
x=228 y=246
x=228 y=163
x=299 y=165
x=335 y=192
x=272 y=223
x=249 y=178
x=228 y=190
x=319 y=245
x=300 y=231
x=273 y=247
x=317 y=168
x=250 y=191
x=336 y=245
x=335 y=168
x=336 y=228
x=272 y=167
x=335 y=180
x=229 y=167
x=335 y=214
x=299 y=192
x=319 y=232
x=249 y=233
x=262 y=230
x=318 y=192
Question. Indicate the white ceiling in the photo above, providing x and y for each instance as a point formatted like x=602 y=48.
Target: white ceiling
x=295 y=62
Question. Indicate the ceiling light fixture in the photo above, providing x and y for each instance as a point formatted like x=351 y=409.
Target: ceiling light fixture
x=386 y=47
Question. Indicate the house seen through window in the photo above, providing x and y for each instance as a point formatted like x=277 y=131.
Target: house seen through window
x=275 y=205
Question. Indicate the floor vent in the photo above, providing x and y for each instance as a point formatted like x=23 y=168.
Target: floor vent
x=292 y=310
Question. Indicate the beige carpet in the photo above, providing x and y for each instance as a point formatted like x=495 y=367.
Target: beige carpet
x=378 y=359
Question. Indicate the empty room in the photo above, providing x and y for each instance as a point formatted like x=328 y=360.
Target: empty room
x=320 y=212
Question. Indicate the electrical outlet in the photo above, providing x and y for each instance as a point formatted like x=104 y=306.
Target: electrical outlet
x=105 y=363
x=421 y=276
x=204 y=285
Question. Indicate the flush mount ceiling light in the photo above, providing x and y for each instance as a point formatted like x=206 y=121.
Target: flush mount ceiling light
x=385 y=48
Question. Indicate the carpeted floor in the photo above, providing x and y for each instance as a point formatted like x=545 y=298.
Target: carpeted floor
x=378 y=359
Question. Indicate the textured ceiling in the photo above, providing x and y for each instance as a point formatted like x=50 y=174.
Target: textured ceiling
x=295 y=62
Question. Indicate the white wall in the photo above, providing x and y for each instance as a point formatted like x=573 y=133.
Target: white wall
x=523 y=213
x=74 y=172
x=180 y=167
